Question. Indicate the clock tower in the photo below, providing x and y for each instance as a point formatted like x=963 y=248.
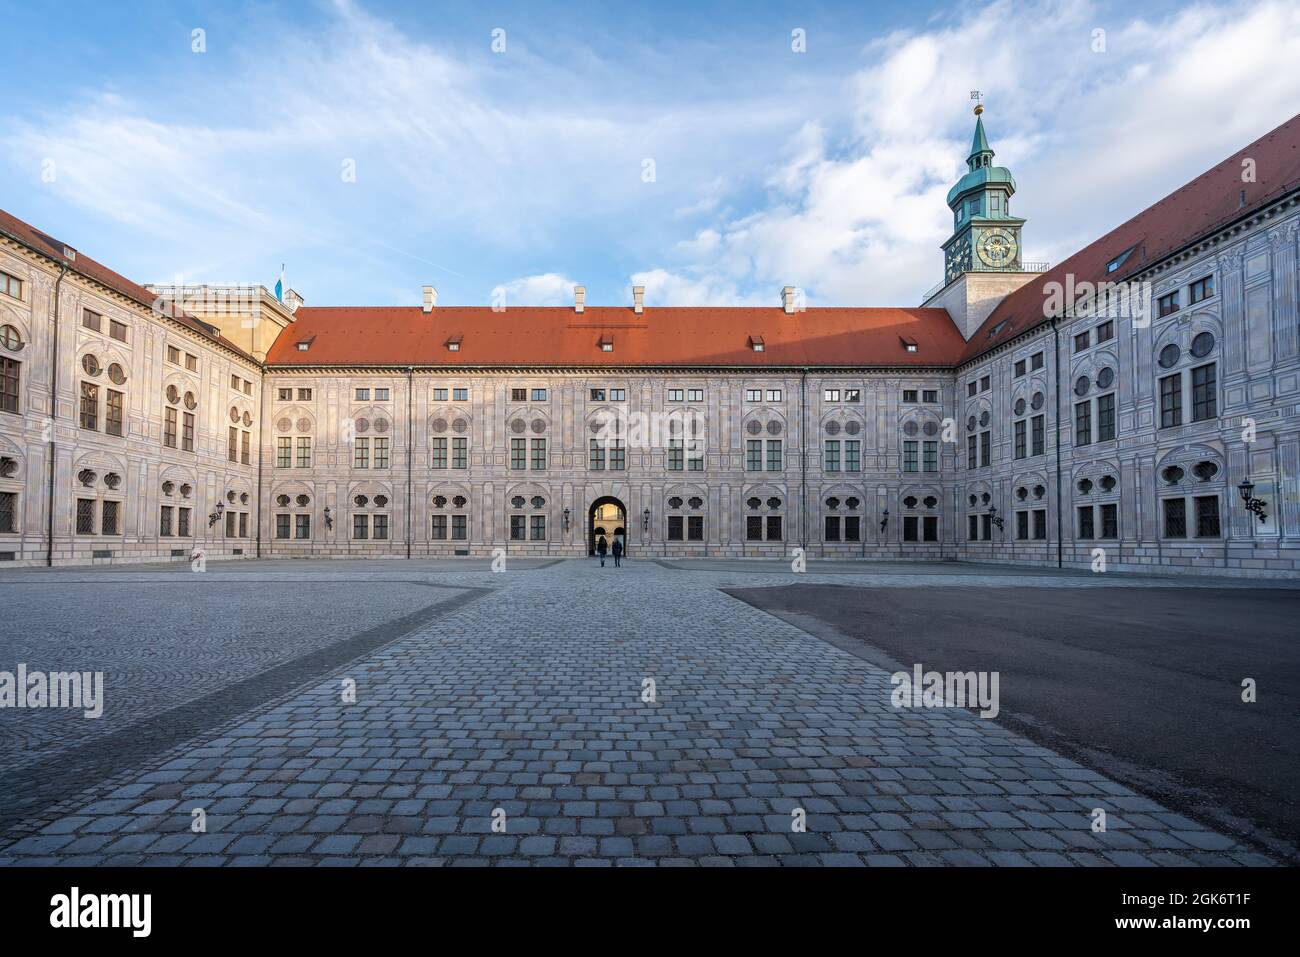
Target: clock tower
x=986 y=237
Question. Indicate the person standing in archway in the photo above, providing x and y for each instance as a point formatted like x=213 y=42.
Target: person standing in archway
x=602 y=547
x=618 y=551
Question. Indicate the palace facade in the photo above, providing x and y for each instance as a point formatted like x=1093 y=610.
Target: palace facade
x=1107 y=410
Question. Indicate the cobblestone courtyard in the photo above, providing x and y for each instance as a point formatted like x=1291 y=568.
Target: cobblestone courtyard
x=519 y=697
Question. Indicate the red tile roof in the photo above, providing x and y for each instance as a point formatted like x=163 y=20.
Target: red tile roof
x=83 y=265
x=549 y=336
x=1210 y=201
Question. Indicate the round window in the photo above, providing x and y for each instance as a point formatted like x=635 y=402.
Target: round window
x=753 y=502
x=1037 y=401
x=832 y=503
x=439 y=501
x=1081 y=385
x=10 y=339
x=1105 y=377
x=115 y=374
x=459 y=501
x=984 y=419
x=1169 y=356
x=674 y=502
x=361 y=501
x=1203 y=344
x=381 y=501
x=90 y=364
x=173 y=394
x=1020 y=406
x=773 y=502
x=851 y=503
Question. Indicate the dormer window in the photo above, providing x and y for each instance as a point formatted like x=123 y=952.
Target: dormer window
x=1118 y=261
x=305 y=344
x=756 y=343
x=606 y=343
x=453 y=344
x=909 y=345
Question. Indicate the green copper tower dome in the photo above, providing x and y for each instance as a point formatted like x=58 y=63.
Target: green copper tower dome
x=986 y=237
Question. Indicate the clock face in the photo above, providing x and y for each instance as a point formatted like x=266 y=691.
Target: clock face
x=997 y=247
x=958 y=258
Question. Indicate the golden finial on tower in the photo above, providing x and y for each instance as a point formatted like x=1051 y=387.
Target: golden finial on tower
x=979 y=107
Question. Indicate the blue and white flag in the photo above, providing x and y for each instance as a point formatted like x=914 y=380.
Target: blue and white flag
x=279 y=285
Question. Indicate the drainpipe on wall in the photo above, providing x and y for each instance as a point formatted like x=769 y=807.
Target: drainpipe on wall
x=1056 y=354
x=803 y=460
x=263 y=436
x=410 y=432
x=54 y=412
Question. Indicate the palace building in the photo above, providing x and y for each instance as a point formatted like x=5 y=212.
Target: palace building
x=1136 y=405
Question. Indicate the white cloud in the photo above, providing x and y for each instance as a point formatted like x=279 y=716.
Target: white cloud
x=545 y=289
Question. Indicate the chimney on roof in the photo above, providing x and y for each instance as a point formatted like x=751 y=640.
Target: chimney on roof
x=787 y=299
x=430 y=298
x=579 y=298
x=638 y=299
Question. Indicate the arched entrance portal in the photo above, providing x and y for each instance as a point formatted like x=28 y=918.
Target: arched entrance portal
x=606 y=517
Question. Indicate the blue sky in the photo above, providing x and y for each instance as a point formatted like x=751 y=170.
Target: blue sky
x=526 y=169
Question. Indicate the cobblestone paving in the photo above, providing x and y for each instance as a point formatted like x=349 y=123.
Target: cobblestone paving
x=530 y=700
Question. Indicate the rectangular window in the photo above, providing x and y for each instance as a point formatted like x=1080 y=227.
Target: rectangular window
x=1204 y=401
x=361 y=454
x=11 y=285
x=518 y=454
x=537 y=528
x=1022 y=526
x=439 y=454
x=1106 y=331
x=1167 y=303
x=539 y=395
x=1036 y=361
x=1083 y=423
x=986 y=448
x=91 y=320
x=1207 y=516
x=283 y=452
x=304 y=451
x=113 y=414
x=85 y=516
x=676 y=530
x=232 y=445
x=676 y=395
x=460 y=528
x=1086 y=531
x=234 y=382
x=694 y=395
x=381 y=453
x=230 y=524
x=8 y=384
x=852 y=455
x=302 y=526
x=1106 y=417
x=1200 y=290
x=165 y=520
x=985 y=382
x=695 y=528
x=1175 y=517
x=774 y=528
x=362 y=395
x=284 y=395
x=117 y=330
x=381 y=527
x=539 y=454
x=187 y=431
x=971 y=387
x=1040 y=524
x=1171 y=400
x=173 y=355
x=460 y=453
x=986 y=526
x=774 y=455
x=597 y=395
x=191 y=362
x=438 y=531
x=183 y=523
x=774 y=395
x=677 y=454
x=243 y=524
x=169 y=427
x=929 y=396
x=831 y=395
x=909 y=396
x=930 y=456
x=929 y=528
x=281 y=526
x=971 y=461
x=360 y=527
x=439 y=395
x=596 y=461
x=1037 y=428
x=1110 y=521
x=832 y=533
x=832 y=457
x=618 y=454
x=910 y=528
x=909 y=456
x=521 y=395
x=753 y=454
x=1081 y=341
x=304 y=395
x=973 y=528
x=695 y=455
x=620 y=395
x=460 y=395
x=1021 y=445
x=1019 y=369
x=754 y=528
x=753 y=395
x=109 y=525
x=89 y=406
x=852 y=395
x=382 y=395
x=245 y=438
x=852 y=528
x=8 y=512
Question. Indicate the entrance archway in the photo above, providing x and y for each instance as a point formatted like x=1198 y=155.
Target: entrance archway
x=606 y=517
